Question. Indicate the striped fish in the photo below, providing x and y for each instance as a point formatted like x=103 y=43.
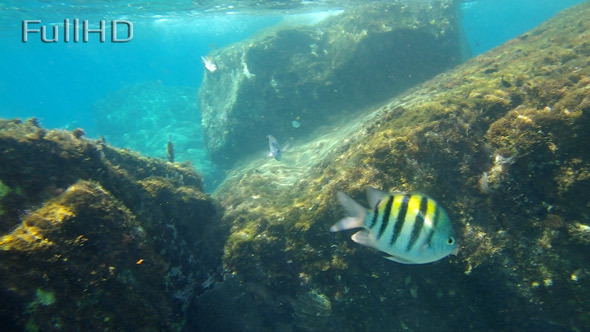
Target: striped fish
x=410 y=227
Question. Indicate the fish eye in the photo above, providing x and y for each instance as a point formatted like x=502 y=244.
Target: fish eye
x=451 y=240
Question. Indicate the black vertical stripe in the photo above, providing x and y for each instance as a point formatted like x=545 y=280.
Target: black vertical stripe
x=399 y=221
x=385 y=219
x=434 y=223
x=375 y=215
x=418 y=223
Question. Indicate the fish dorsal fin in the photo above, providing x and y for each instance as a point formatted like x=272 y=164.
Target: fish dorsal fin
x=399 y=260
x=352 y=208
x=374 y=196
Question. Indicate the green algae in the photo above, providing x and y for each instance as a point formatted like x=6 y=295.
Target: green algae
x=45 y=298
x=31 y=326
x=4 y=190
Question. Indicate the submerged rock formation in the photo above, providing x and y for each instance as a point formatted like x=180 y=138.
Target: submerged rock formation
x=314 y=74
x=97 y=238
x=501 y=142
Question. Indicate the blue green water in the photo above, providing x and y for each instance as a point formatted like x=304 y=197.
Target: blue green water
x=79 y=85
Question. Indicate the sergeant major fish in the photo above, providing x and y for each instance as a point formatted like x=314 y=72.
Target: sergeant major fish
x=410 y=227
x=209 y=64
x=276 y=150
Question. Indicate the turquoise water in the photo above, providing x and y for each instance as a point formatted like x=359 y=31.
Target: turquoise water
x=285 y=271
x=490 y=23
x=101 y=87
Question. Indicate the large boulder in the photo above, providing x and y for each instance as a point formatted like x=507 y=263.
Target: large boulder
x=501 y=142
x=314 y=74
x=98 y=238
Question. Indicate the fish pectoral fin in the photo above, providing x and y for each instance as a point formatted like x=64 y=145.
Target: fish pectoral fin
x=425 y=247
x=399 y=260
x=363 y=237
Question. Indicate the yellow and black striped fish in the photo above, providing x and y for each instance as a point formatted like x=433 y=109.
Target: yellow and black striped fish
x=410 y=227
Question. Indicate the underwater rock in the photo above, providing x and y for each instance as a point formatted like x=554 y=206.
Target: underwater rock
x=501 y=142
x=318 y=72
x=97 y=238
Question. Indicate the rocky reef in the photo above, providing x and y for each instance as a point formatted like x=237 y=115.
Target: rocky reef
x=500 y=141
x=98 y=238
x=315 y=73
x=144 y=116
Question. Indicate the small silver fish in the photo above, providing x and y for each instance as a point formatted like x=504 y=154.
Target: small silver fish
x=410 y=227
x=276 y=150
x=209 y=282
x=170 y=149
x=209 y=64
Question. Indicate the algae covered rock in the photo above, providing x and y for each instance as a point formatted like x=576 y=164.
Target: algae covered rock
x=313 y=74
x=94 y=237
x=501 y=142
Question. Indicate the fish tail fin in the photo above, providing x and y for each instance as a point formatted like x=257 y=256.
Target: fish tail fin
x=356 y=214
x=285 y=147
